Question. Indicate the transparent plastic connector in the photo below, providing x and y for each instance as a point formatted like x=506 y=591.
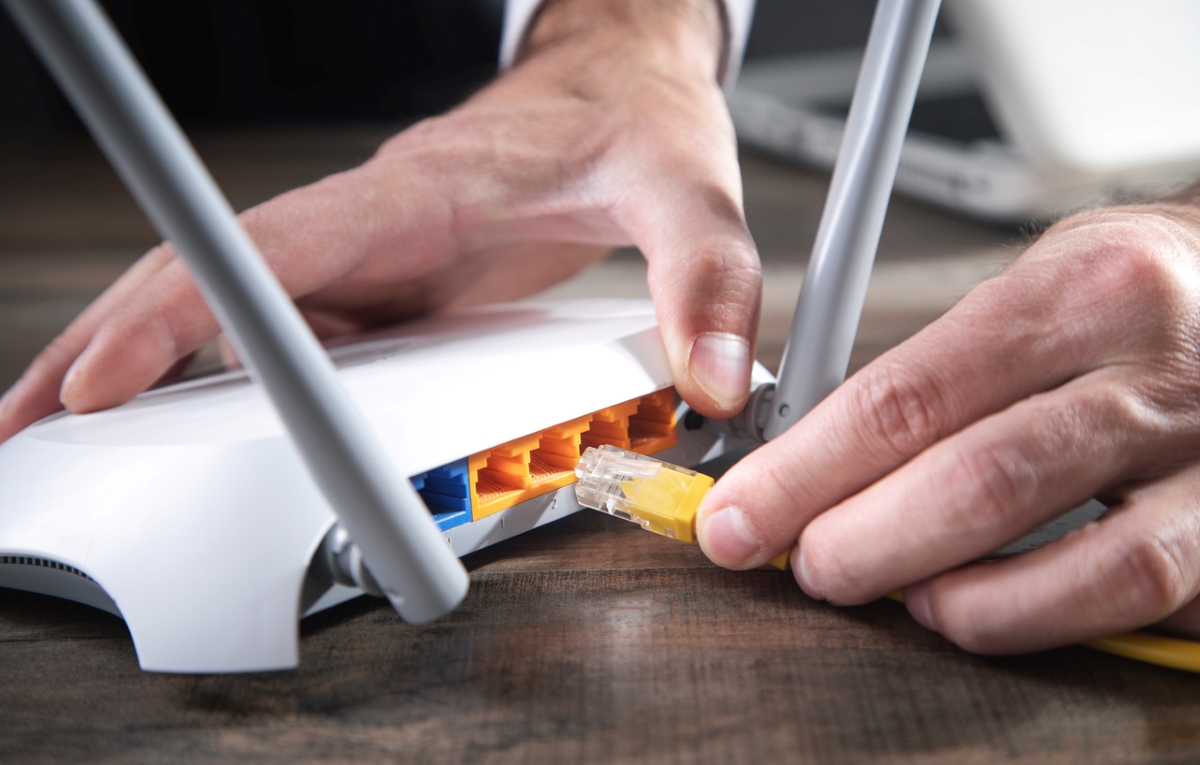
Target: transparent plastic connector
x=658 y=496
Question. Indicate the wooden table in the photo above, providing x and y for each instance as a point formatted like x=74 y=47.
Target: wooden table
x=585 y=641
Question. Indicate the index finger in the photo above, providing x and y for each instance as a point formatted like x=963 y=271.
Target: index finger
x=36 y=393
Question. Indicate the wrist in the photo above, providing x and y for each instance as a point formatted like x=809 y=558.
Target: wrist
x=681 y=37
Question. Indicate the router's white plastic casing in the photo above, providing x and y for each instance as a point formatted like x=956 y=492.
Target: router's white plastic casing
x=188 y=513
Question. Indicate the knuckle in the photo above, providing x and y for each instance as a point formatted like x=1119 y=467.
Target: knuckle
x=1134 y=263
x=1002 y=482
x=1114 y=416
x=902 y=415
x=723 y=277
x=1107 y=407
x=1149 y=572
x=1131 y=259
x=1139 y=268
x=721 y=201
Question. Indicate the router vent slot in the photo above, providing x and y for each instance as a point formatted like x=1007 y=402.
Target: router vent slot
x=26 y=560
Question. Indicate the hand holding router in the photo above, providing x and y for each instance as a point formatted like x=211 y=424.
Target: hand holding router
x=518 y=188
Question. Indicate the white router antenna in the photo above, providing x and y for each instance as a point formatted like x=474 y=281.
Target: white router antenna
x=406 y=553
x=835 y=285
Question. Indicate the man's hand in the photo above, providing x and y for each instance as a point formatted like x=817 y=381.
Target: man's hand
x=1074 y=373
x=611 y=130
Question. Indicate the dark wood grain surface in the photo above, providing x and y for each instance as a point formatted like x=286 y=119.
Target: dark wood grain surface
x=589 y=640
x=586 y=641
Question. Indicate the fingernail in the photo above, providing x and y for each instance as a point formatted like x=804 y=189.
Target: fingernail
x=728 y=539
x=71 y=378
x=803 y=578
x=916 y=597
x=720 y=364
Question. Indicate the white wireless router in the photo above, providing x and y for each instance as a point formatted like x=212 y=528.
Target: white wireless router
x=188 y=513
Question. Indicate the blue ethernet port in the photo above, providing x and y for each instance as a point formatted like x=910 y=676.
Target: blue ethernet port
x=447 y=492
x=447 y=521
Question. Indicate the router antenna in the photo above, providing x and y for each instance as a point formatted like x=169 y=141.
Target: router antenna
x=835 y=285
x=378 y=506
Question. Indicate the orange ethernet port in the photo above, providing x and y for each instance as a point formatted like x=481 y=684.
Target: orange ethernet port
x=528 y=467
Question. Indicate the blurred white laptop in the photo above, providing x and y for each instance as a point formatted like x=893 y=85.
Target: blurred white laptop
x=1027 y=110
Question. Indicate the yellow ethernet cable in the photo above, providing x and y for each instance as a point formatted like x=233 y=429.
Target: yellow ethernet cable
x=656 y=495
x=1164 y=651
x=1174 y=653
x=663 y=498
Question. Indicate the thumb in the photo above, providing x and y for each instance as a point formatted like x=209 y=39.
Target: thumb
x=706 y=282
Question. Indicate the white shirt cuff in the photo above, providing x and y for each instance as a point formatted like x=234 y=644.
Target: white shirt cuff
x=738 y=14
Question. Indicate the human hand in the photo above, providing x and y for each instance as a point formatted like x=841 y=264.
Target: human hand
x=1074 y=373
x=611 y=130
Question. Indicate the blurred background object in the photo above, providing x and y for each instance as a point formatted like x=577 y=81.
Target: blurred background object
x=257 y=62
x=230 y=62
x=1028 y=109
